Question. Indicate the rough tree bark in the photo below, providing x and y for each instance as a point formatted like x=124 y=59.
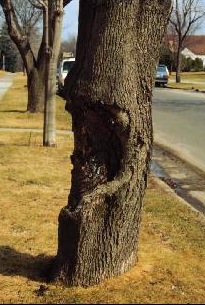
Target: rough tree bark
x=111 y=93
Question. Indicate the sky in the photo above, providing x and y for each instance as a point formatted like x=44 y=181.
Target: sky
x=70 y=20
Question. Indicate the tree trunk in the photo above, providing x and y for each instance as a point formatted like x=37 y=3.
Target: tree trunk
x=36 y=90
x=35 y=67
x=49 y=130
x=111 y=93
x=53 y=19
x=178 y=65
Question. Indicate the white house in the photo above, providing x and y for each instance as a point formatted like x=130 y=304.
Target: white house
x=194 y=47
x=189 y=54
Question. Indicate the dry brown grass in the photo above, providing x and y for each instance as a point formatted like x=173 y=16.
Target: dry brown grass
x=194 y=76
x=189 y=81
x=14 y=104
x=2 y=73
x=35 y=182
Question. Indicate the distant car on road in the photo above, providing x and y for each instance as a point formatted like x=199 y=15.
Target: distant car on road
x=162 y=75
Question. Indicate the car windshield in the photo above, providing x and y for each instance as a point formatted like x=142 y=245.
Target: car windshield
x=67 y=65
x=161 y=69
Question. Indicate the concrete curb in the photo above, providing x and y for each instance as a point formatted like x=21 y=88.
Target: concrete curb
x=194 y=90
x=171 y=192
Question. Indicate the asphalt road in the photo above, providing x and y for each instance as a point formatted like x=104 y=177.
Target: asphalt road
x=179 y=123
x=179 y=131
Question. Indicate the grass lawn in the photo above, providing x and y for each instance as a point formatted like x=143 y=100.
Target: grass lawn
x=13 y=109
x=189 y=81
x=35 y=182
x=2 y=73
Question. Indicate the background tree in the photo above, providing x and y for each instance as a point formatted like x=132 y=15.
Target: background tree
x=20 y=29
x=41 y=70
x=111 y=91
x=166 y=57
x=30 y=20
x=69 y=45
x=23 y=22
x=10 y=59
x=183 y=21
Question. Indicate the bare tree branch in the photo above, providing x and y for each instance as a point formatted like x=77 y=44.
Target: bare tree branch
x=65 y=2
x=12 y=22
x=39 y=4
x=185 y=14
x=28 y=16
x=36 y=5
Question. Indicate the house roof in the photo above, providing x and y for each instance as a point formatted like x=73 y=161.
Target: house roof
x=195 y=43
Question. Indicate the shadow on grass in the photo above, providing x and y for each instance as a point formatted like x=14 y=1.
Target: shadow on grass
x=14 y=111
x=13 y=263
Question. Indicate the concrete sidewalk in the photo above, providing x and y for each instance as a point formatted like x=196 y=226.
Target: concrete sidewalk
x=5 y=82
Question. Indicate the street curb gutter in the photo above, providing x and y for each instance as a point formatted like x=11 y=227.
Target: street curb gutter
x=170 y=191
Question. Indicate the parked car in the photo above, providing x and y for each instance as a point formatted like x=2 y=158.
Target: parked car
x=66 y=63
x=162 y=75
